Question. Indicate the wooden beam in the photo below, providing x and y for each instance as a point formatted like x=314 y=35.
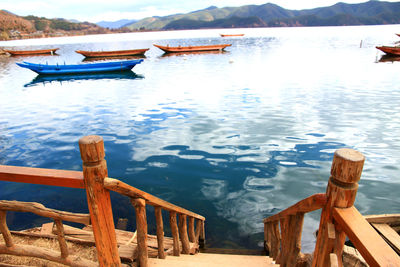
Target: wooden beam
x=183 y=234
x=192 y=235
x=61 y=239
x=41 y=210
x=309 y=204
x=368 y=242
x=175 y=233
x=141 y=228
x=4 y=229
x=130 y=191
x=98 y=198
x=160 y=232
x=52 y=177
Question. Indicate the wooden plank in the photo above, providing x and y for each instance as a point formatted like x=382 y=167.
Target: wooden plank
x=314 y=202
x=130 y=191
x=47 y=228
x=367 y=241
x=390 y=235
x=41 y=210
x=391 y=219
x=41 y=176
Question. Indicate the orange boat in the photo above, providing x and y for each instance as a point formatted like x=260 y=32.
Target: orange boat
x=116 y=53
x=199 y=48
x=31 y=52
x=231 y=35
x=390 y=50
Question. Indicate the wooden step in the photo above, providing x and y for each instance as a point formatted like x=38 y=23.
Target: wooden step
x=211 y=260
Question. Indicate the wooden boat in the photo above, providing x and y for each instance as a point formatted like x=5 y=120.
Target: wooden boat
x=115 y=53
x=31 y=52
x=175 y=49
x=232 y=35
x=390 y=50
x=81 y=68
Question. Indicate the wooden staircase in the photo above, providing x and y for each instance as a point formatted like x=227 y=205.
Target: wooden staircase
x=211 y=260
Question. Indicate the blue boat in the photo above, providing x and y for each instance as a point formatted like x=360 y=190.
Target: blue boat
x=113 y=66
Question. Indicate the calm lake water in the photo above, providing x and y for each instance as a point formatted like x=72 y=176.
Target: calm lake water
x=234 y=136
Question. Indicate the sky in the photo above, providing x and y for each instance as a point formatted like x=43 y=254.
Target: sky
x=113 y=10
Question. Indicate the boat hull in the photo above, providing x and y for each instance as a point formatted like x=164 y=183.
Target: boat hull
x=177 y=49
x=116 y=53
x=390 y=50
x=81 y=68
x=31 y=52
x=231 y=35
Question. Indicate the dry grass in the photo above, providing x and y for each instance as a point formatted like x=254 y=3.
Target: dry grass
x=86 y=252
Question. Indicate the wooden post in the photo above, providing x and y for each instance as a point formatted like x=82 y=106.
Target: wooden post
x=341 y=192
x=202 y=238
x=160 y=232
x=4 y=229
x=175 y=233
x=192 y=235
x=98 y=198
x=183 y=234
x=61 y=239
x=141 y=228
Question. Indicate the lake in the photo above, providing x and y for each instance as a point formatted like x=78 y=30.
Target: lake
x=234 y=136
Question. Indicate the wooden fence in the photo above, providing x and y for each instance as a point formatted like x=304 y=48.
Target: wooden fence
x=94 y=179
x=339 y=218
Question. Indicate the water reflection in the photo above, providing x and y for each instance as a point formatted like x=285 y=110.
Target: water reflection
x=74 y=77
x=389 y=58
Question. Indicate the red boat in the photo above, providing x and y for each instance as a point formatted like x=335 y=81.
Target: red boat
x=390 y=50
x=199 y=48
x=31 y=52
x=116 y=53
x=231 y=35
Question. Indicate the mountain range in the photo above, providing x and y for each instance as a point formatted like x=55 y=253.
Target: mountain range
x=271 y=15
x=267 y=15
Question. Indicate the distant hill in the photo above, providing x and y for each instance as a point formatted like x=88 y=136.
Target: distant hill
x=271 y=15
x=17 y=27
x=115 y=24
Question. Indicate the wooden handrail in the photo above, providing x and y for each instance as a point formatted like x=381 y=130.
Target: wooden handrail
x=41 y=210
x=130 y=191
x=52 y=177
x=367 y=241
x=309 y=204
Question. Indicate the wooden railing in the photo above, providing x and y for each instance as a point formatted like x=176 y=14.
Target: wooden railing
x=339 y=218
x=94 y=179
x=34 y=251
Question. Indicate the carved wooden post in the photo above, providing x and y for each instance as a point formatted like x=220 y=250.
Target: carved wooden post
x=98 y=198
x=175 y=233
x=341 y=192
x=160 y=232
x=192 y=235
x=4 y=229
x=183 y=234
x=141 y=228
